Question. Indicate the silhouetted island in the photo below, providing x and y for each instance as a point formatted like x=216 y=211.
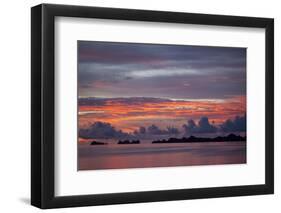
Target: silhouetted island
x=193 y=139
x=128 y=142
x=98 y=143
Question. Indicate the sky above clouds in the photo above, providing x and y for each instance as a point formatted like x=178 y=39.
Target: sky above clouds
x=109 y=70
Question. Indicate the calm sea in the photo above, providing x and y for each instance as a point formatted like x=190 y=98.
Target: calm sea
x=117 y=156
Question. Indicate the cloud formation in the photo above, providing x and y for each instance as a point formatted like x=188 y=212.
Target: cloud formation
x=238 y=124
x=153 y=130
x=101 y=130
x=202 y=127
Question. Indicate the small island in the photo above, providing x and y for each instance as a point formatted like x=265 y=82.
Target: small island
x=98 y=143
x=129 y=142
x=193 y=139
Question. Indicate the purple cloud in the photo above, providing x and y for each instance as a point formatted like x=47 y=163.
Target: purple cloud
x=202 y=127
x=238 y=124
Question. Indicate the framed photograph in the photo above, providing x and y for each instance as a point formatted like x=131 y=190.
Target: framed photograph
x=139 y=106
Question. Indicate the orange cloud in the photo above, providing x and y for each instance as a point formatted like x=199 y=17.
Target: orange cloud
x=128 y=117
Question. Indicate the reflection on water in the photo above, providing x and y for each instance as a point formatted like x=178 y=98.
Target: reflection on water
x=114 y=156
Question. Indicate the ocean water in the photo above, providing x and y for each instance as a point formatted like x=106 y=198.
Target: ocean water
x=144 y=155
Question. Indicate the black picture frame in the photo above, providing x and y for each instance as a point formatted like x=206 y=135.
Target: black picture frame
x=43 y=102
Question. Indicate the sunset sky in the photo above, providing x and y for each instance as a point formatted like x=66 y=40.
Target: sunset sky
x=125 y=86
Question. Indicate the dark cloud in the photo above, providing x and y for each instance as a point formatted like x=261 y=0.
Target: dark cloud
x=202 y=127
x=93 y=101
x=238 y=124
x=101 y=130
x=172 y=130
x=140 y=131
x=154 y=130
x=132 y=53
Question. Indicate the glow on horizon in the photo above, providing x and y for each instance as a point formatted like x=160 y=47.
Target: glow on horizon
x=130 y=116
